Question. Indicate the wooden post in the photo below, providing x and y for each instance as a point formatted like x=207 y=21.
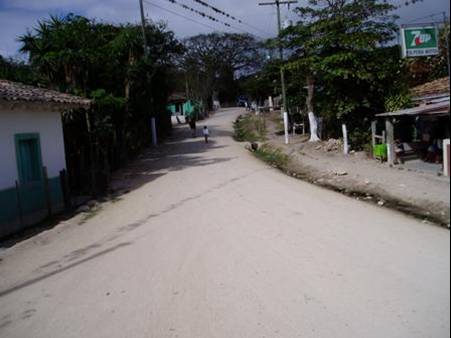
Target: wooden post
x=390 y=141
x=19 y=204
x=48 y=198
x=373 y=133
x=65 y=189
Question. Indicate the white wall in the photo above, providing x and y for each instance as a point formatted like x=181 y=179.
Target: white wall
x=49 y=127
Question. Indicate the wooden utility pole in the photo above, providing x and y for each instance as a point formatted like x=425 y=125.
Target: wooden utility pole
x=153 y=124
x=143 y=25
x=277 y=3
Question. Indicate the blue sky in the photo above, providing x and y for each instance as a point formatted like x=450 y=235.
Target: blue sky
x=16 y=16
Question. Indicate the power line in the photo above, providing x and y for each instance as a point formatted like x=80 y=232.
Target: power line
x=425 y=17
x=209 y=17
x=179 y=15
x=202 y=14
x=230 y=16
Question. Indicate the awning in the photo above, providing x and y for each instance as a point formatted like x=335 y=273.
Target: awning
x=435 y=109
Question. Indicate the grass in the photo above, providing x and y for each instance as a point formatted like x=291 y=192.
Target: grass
x=250 y=128
x=273 y=156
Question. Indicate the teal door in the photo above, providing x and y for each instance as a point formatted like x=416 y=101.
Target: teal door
x=29 y=167
x=28 y=153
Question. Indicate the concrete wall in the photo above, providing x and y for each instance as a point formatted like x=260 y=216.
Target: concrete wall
x=47 y=124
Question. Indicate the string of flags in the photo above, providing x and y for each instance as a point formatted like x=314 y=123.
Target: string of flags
x=203 y=14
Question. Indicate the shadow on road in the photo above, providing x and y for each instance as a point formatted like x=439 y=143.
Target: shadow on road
x=179 y=152
x=60 y=269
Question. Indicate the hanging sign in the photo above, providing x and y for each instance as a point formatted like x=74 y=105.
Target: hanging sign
x=419 y=40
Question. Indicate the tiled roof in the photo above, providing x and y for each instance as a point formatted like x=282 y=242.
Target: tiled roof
x=437 y=87
x=17 y=92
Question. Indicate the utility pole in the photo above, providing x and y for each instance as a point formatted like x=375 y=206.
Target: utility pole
x=153 y=124
x=277 y=3
x=143 y=26
x=445 y=22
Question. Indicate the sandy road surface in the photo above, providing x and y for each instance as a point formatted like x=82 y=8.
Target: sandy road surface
x=213 y=243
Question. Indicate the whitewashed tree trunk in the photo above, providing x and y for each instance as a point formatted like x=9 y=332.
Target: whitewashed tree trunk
x=313 y=127
x=309 y=102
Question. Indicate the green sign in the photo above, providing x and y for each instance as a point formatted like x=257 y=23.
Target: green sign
x=419 y=41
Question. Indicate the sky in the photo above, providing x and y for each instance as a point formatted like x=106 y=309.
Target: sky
x=16 y=16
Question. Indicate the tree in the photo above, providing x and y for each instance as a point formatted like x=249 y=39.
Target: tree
x=106 y=62
x=338 y=45
x=212 y=62
x=17 y=71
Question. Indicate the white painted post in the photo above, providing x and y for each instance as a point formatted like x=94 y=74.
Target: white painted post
x=154 y=131
x=446 y=159
x=271 y=104
x=285 y=124
x=345 y=140
x=390 y=142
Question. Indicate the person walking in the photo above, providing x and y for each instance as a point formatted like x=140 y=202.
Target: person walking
x=206 y=133
x=192 y=125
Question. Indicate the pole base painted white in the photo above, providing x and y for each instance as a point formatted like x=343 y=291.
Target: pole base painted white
x=313 y=128
x=154 y=131
x=345 y=140
x=446 y=159
x=285 y=124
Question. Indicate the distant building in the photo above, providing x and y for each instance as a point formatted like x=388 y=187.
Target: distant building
x=31 y=148
x=179 y=105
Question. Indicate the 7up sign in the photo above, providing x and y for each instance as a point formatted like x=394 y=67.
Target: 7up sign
x=419 y=41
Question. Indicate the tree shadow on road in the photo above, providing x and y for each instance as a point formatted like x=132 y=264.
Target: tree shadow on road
x=179 y=152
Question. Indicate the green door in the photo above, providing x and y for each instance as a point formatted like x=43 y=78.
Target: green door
x=28 y=153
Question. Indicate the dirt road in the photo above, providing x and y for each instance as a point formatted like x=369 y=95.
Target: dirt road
x=210 y=242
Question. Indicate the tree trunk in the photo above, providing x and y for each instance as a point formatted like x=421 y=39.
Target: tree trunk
x=309 y=102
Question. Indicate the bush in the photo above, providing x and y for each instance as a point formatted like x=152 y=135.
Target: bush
x=272 y=156
x=249 y=128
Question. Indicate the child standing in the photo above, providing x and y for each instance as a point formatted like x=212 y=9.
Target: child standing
x=206 y=133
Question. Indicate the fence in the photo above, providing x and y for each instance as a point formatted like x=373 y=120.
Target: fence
x=29 y=203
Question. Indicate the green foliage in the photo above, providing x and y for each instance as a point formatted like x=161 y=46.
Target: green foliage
x=212 y=61
x=272 y=156
x=249 y=128
x=340 y=44
x=360 y=139
x=18 y=71
x=398 y=101
x=106 y=63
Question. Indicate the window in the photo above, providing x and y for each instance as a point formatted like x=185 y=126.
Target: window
x=28 y=154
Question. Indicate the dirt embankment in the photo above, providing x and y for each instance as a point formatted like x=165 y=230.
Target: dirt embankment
x=424 y=195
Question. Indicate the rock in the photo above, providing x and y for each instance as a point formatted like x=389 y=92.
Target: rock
x=92 y=203
x=341 y=173
x=381 y=203
x=333 y=145
x=83 y=208
x=254 y=146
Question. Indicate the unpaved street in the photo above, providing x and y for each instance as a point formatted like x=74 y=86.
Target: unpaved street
x=210 y=242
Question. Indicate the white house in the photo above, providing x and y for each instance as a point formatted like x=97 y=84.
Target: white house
x=31 y=148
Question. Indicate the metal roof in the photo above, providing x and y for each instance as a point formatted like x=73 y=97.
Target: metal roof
x=440 y=108
x=18 y=92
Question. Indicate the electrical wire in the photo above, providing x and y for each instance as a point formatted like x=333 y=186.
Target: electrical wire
x=202 y=14
x=219 y=11
x=178 y=14
x=426 y=17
